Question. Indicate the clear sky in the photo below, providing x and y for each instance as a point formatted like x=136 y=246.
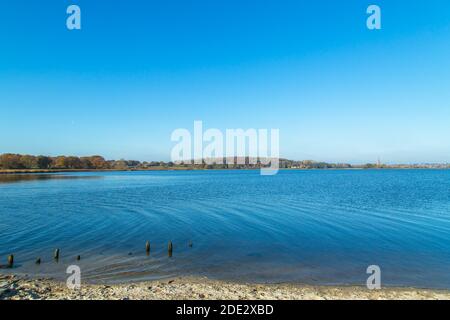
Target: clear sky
x=140 y=69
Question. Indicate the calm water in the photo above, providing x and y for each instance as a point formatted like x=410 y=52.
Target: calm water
x=316 y=227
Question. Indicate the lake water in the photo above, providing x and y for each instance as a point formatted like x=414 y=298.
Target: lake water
x=314 y=227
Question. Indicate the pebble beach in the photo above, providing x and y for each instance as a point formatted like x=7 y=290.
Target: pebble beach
x=14 y=287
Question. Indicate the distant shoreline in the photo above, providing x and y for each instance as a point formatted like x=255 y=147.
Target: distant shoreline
x=22 y=163
x=35 y=171
x=31 y=171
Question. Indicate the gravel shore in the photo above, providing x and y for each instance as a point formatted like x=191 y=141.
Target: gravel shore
x=22 y=288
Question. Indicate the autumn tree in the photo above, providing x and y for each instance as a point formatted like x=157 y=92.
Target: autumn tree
x=28 y=162
x=10 y=161
x=99 y=162
x=60 y=162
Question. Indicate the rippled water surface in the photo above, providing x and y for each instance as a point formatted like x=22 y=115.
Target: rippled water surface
x=317 y=227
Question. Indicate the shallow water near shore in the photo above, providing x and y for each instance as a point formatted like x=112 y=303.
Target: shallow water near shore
x=321 y=227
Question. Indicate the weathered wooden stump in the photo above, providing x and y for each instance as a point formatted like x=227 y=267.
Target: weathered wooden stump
x=147 y=247
x=10 y=261
x=78 y=258
x=38 y=261
x=56 y=256
x=170 y=248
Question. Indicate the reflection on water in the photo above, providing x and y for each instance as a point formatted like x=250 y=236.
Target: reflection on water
x=11 y=178
x=317 y=227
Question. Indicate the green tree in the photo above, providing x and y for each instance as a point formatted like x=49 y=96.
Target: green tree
x=44 y=162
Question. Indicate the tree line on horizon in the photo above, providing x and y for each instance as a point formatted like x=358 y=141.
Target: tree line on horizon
x=10 y=161
x=18 y=161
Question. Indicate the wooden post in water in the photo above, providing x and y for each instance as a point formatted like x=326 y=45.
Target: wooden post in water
x=10 y=261
x=170 y=248
x=78 y=258
x=147 y=247
x=38 y=261
x=190 y=244
x=56 y=254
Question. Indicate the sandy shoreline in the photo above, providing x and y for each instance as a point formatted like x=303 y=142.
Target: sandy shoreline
x=23 y=288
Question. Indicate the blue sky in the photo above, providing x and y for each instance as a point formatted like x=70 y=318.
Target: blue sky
x=140 y=69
